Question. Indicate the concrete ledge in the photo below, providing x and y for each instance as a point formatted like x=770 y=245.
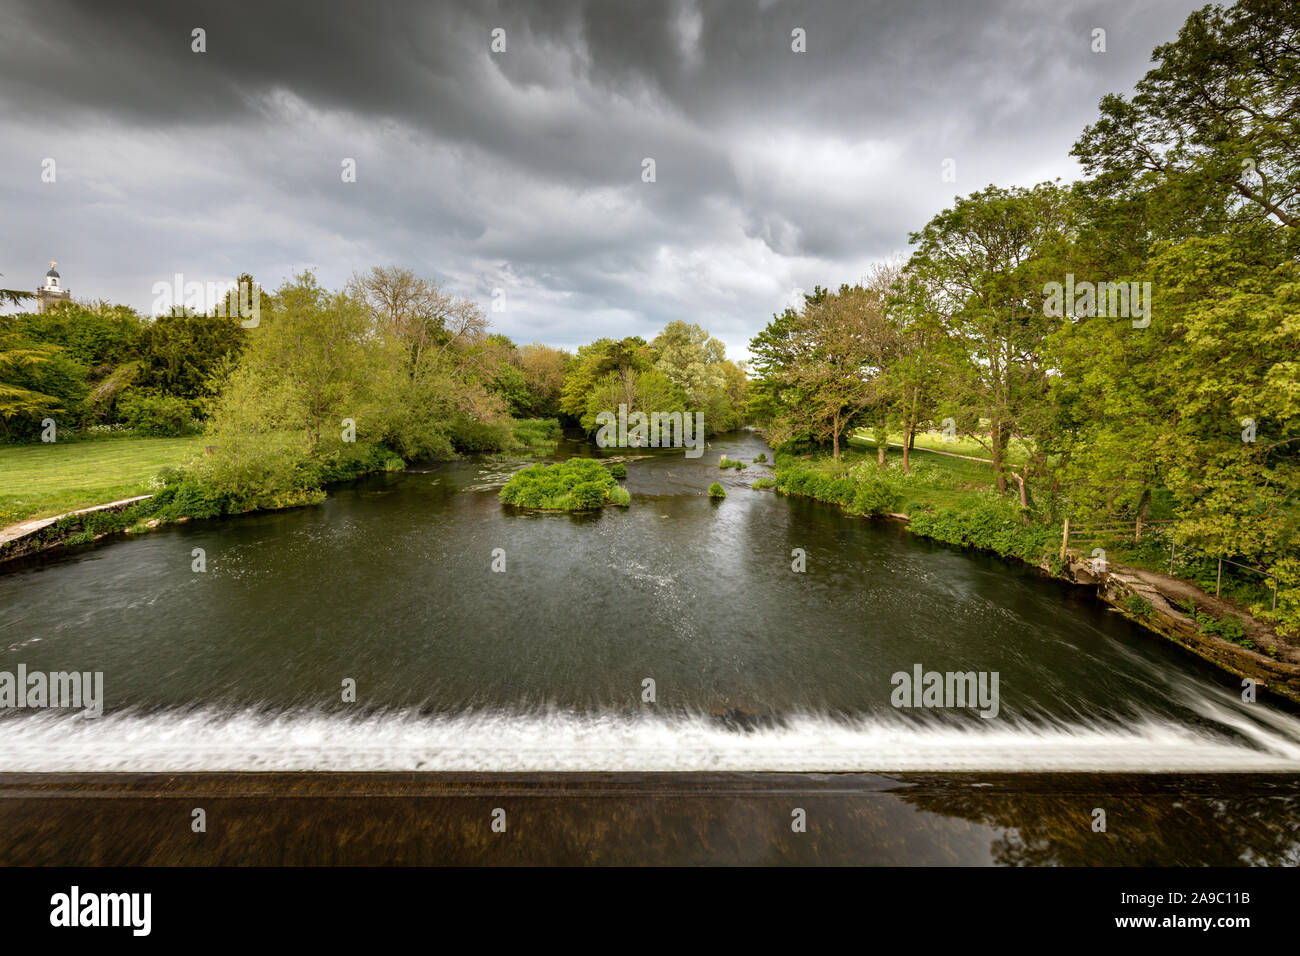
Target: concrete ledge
x=13 y=537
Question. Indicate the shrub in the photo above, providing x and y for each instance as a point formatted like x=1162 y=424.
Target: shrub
x=618 y=470
x=535 y=434
x=990 y=526
x=876 y=495
x=761 y=458
x=1229 y=628
x=579 y=484
x=157 y=415
x=587 y=495
x=762 y=483
x=1138 y=606
x=717 y=491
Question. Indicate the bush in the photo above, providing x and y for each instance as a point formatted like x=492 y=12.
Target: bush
x=717 y=491
x=156 y=415
x=473 y=435
x=1138 y=606
x=587 y=495
x=579 y=484
x=535 y=434
x=761 y=458
x=1228 y=628
x=618 y=470
x=991 y=527
x=762 y=483
x=877 y=495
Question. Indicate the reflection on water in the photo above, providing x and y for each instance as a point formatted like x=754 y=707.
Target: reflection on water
x=864 y=819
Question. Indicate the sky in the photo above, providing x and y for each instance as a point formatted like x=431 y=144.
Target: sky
x=521 y=172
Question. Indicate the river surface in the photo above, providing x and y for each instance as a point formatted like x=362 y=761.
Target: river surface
x=544 y=666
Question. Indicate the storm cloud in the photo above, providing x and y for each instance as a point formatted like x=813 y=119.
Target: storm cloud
x=522 y=170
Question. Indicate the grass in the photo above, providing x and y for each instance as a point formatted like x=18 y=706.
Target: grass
x=937 y=481
x=963 y=445
x=536 y=436
x=40 y=480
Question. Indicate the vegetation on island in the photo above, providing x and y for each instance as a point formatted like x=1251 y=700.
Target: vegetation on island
x=579 y=484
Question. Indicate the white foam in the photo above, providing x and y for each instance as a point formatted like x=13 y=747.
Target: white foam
x=567 y=741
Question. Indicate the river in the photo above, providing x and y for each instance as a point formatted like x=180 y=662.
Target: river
x=544 y=667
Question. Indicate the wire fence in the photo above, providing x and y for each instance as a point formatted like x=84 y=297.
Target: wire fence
x=1091 y=532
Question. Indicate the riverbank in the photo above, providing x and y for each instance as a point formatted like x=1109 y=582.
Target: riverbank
x=42 y=480
x=51 y=494
x=950 y=498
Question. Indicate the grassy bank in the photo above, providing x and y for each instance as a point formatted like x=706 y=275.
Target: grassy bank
x=953 y=500
x=273 y=471
x=44 y=479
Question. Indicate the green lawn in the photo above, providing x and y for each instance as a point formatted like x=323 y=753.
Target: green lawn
x=963 y=445
x=39 y=480
x=940 y=481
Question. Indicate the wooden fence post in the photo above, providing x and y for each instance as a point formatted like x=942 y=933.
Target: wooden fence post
x=1218 y=585
x=1065 y=537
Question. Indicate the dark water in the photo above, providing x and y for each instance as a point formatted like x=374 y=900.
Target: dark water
x=543 y=667
x=651 y=819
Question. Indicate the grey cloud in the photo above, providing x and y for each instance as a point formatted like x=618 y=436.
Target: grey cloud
x=774 y=169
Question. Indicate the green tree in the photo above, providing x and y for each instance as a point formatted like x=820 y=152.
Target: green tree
x=982 y=264
x=593 y=363
x=1212 y=133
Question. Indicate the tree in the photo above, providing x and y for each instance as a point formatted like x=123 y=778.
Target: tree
x=419 y=314
x=820 y=366
x=593 y=362
x=981 y=263
x=543 y=369
x=647 y=390
x=691 y=358
x=434 y=366
x=1212 y=134
x=304 y=368
x=29 y=373
x=922 y=359
x=180 y=353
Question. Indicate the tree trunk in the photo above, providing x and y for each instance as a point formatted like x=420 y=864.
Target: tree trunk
x=907 y=447
x=835 y=437
x=995 y=440
x=1024 y=498
x=1143 y=511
